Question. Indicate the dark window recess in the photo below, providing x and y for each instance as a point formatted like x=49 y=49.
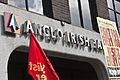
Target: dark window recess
x=94 y=14
x=47 y=8
x=4 y=1
x=80 y=12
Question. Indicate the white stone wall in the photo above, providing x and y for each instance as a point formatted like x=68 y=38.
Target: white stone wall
x=9 y=43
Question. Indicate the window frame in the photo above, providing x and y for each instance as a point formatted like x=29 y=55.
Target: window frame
x=115 y=13
x=27 y=7
x=92 y=14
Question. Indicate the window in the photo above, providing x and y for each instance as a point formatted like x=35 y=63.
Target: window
x=74 y=10
x=114 y=12
x=86 y=14
x=80 y=13
x=18 y=3
x=30 y=5
x=112 y=15
x=118 y=20
x=117 y=6
x=35 y=6
x=110 y=4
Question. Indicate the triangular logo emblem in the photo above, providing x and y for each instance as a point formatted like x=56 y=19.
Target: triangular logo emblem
x=11 y=23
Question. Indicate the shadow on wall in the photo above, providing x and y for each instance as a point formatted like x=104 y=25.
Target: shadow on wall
x=2 y=28
x=66 y=69
x=17 y=66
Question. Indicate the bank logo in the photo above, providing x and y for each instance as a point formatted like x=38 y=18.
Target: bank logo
x=11 y=23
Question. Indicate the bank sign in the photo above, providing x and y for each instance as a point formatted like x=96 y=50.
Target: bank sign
x=47 y=33
x=111 y=45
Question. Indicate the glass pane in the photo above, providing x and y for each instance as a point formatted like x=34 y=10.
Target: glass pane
x=112 y=15
x=17 y=3
x=118 y=20
x=74 y=12
x=35 y=6
x=86 y=14
x=117 y=6
x=110 y=4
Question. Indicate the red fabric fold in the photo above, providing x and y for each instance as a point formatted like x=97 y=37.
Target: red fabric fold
x=39 y=67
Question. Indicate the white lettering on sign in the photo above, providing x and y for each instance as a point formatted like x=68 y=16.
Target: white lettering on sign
x=28 y=26
x=114 y=72
x=68 y=38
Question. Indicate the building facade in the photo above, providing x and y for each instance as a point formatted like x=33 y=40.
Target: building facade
x=68 y=34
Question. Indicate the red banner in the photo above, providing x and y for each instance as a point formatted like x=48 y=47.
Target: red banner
x=39 y=67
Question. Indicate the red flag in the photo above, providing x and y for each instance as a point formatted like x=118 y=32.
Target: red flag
x=39 y=67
